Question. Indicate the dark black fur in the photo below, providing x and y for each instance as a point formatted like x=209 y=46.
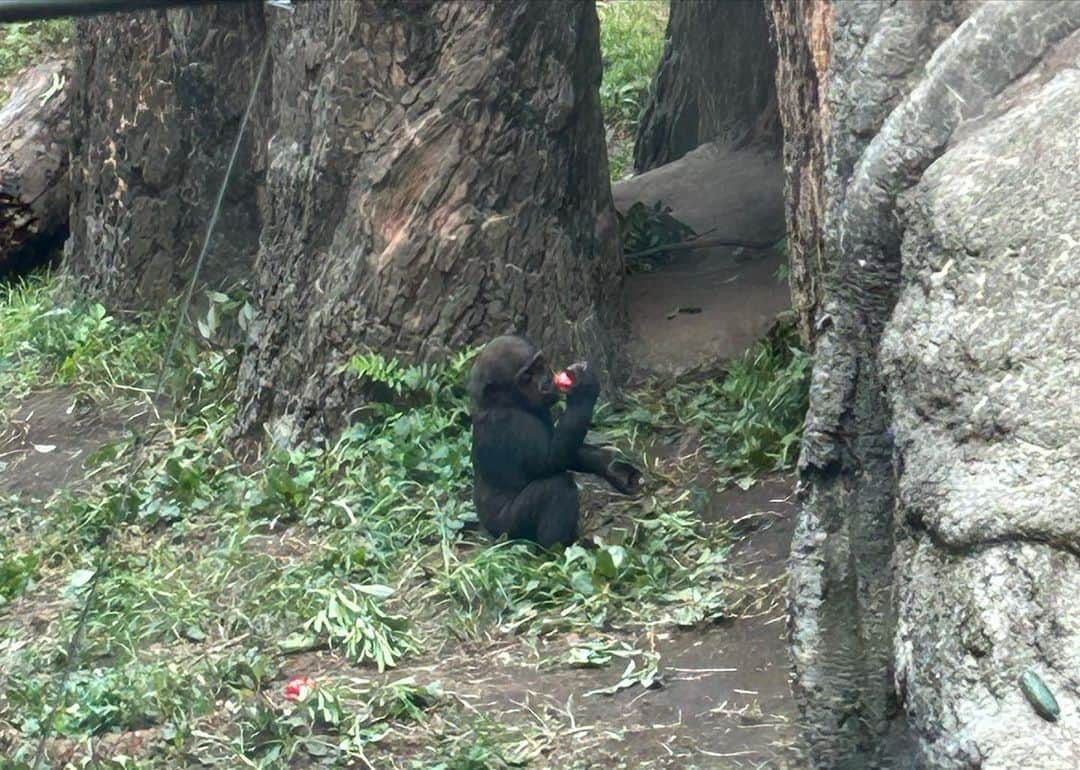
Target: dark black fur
x=521 y=458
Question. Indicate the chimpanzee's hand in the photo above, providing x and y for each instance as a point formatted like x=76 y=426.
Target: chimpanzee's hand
x=624 y=477
x=586 y=386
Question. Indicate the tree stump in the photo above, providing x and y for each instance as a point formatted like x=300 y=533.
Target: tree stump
x=158 y=101
x=437 y=176
x=715 y=82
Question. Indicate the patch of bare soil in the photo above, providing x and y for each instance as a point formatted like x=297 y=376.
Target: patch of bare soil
x=703 y=307
x=726 y=702
x=49 y=436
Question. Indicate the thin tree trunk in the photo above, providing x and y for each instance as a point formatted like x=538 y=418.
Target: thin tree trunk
x=438 y=176
x=159 y=98
x=714 y=84
x=801 y=32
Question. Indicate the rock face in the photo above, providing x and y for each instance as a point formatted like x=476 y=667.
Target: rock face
x=932 y=159
x=982 y=364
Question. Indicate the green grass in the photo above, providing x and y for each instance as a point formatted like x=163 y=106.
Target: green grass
x=749 y=419
x=221 y=572
x=45 y=342
x=631 y=44
x=25 y=44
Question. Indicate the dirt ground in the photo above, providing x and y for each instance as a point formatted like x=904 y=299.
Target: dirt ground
x=724 y=701
x=735 y=301
x=48 y=437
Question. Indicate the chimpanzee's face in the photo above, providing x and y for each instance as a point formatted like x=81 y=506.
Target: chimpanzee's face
x=536 y=384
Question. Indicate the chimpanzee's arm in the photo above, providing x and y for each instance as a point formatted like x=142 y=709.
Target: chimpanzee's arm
x=592 y=459
x=570 y=432
x=605 y=463
x=513 y=447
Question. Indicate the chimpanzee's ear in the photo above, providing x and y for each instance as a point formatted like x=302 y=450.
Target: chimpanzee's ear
x=525 y=373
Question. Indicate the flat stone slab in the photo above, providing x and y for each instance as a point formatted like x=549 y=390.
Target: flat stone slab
x=736 y=194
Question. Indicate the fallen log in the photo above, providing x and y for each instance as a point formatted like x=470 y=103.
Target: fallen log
x=35 y=132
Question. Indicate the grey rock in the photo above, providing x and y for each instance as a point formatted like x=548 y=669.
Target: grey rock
x=982 y=364
x=939 y=437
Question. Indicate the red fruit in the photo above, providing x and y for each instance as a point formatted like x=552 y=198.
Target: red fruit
x=564 y=381
x=299 y=688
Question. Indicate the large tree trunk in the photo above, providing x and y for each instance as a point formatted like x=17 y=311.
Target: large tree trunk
x=899 y=449
x=438 y=176
x=715 y=82
x=34 y=136
x=160 y=96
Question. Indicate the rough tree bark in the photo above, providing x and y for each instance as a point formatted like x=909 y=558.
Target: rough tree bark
x=872 y=95
x=438 y=176
x=159 y=98
x=34 y=135
x=715 y=82
x=801 y=33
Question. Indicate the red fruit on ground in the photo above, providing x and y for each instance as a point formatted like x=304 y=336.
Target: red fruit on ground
x=299 y=687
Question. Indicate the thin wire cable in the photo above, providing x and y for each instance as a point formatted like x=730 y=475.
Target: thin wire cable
x=186 y=302
x=75 y=643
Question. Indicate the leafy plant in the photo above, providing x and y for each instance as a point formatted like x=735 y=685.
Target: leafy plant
x=486 y=744
x=649 y=227
x=769 y=386
x=631 y=43
x=596 y=653
x=642 y=669
x=639 y=572
x=287 y=486
x=403 y=385
x=352 y=618
x=47 y=341
x=132 y=696
x=17 y=571
x=750 y=417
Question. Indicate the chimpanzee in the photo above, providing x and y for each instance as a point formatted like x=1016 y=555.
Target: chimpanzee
x=521 y=458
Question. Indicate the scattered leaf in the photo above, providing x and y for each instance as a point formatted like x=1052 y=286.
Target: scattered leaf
x=80 y=578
